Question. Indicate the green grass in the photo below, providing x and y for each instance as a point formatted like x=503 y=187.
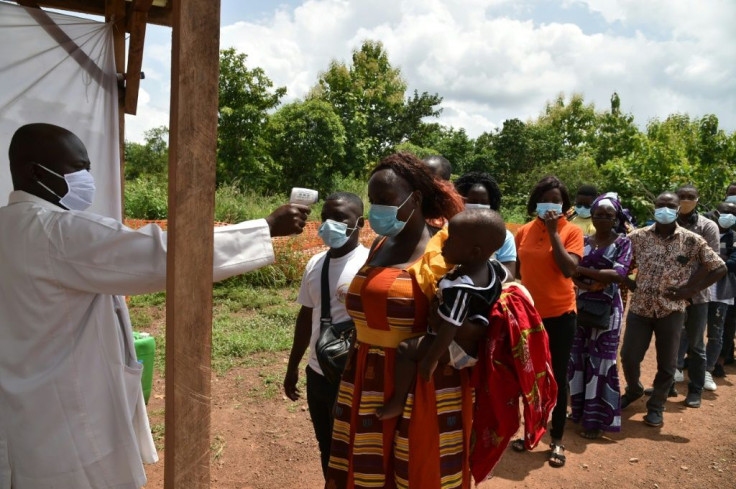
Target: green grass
x=246 y=320
x=157 y=299
x=234 y=337
x=158 y=430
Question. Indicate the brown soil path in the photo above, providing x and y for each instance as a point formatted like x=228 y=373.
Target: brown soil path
x=261 y=440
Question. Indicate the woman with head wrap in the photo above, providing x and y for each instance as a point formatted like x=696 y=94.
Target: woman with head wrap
x=593 y=374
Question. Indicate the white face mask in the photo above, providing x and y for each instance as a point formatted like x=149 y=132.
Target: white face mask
x=81 y=185
x=477 y=206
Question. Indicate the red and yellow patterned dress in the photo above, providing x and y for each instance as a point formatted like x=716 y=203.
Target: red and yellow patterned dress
x=428 y=446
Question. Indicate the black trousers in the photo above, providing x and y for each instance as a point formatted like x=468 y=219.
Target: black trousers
x=321 y=397
x=561 y=331
x=729 y=329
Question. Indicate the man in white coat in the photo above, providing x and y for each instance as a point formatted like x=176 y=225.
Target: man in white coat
x=71 y=407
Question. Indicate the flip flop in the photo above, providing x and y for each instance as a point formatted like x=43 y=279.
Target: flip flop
x=518 y=445
x=557 y=457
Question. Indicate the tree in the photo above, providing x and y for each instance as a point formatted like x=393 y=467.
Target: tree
x=615 y=134
x=150 y=158
x=308 y=145
x=369 y=97
x=457 y=147
x=573 y=123
x=246 y=97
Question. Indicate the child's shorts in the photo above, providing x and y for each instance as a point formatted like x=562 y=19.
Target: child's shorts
x=458 y=358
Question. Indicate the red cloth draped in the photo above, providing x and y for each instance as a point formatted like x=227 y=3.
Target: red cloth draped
x=513 y=360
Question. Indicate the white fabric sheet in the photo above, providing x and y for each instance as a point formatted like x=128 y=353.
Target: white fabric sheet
x=72 y=85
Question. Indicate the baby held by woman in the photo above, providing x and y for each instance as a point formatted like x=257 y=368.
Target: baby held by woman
x=465 y=296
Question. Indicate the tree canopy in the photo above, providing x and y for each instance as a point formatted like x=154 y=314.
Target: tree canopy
x=358 y=112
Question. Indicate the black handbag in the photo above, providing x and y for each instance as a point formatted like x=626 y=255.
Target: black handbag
x=594 y=314
x=335 y=340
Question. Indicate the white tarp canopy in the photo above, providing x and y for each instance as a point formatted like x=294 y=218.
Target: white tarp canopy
x=59 y=69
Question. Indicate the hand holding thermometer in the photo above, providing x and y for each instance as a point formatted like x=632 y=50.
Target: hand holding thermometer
x=289 y=219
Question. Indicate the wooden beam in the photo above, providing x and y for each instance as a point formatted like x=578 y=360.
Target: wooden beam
x=136 y=25
x=157 y=15
x=115 y=12
x=193 y=145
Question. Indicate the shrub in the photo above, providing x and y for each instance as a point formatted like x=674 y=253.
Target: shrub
x=146 y=198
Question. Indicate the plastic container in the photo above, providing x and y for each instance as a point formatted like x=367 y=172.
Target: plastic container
x=145 y=348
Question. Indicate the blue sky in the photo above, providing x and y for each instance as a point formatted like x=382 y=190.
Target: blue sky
x=491 y=60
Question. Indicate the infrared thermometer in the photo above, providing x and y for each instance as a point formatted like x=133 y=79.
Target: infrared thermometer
x=303 y=196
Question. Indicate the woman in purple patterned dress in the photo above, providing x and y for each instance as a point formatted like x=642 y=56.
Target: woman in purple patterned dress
x=593 y=373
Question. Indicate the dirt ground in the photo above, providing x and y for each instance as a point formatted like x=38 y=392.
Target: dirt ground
x=261 y=440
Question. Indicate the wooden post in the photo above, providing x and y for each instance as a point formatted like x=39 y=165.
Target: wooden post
x=193 y=144
x=115 y=11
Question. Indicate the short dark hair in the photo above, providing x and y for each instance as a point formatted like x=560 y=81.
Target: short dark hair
x=588 y=191
x=444 y=165
x=348 y=197
x=544 y=185
x=687 y=186
x=473 y=178
x=490 y=228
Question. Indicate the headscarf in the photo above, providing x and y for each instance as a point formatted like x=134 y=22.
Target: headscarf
x=610 y=199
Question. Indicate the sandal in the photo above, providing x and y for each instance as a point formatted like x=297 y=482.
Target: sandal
x=518 y=445
x=557 y=455
x=591 y=434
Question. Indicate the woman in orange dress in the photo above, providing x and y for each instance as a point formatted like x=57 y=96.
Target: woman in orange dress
x=428 y=446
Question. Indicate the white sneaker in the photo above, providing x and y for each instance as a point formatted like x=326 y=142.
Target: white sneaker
x=709 y=385
x=679 y=376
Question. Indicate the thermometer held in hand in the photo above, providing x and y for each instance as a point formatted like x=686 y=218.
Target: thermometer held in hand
x=303 y=196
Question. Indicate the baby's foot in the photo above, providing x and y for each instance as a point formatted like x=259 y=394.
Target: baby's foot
x=390 y=410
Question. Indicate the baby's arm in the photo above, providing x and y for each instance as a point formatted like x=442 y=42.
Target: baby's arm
x=445 y=333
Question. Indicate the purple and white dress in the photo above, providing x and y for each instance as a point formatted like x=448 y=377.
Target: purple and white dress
x=593 y=373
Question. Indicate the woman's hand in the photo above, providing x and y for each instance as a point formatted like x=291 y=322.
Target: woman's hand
x=550 y=221
x=580 y=284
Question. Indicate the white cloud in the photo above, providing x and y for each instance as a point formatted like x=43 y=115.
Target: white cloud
x=149 y=115
x=492 y=61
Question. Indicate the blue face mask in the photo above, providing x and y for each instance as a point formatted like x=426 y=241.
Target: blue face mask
x=334 y=234
x=665 y=215
x=731 y=199
x=543 y=207
x=582 y=211
x=726 y=221
x=384 y=221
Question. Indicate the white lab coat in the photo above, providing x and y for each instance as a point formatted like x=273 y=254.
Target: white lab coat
x=71 y=407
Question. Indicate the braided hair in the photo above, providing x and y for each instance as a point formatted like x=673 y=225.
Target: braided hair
x=439 y=198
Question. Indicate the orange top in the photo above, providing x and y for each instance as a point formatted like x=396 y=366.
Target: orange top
x=553 y=294
x=389 y=304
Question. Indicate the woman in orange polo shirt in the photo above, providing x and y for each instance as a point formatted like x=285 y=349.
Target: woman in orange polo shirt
x=548 y=251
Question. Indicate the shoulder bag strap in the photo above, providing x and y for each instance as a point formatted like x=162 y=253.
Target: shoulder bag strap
x=325 y=316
